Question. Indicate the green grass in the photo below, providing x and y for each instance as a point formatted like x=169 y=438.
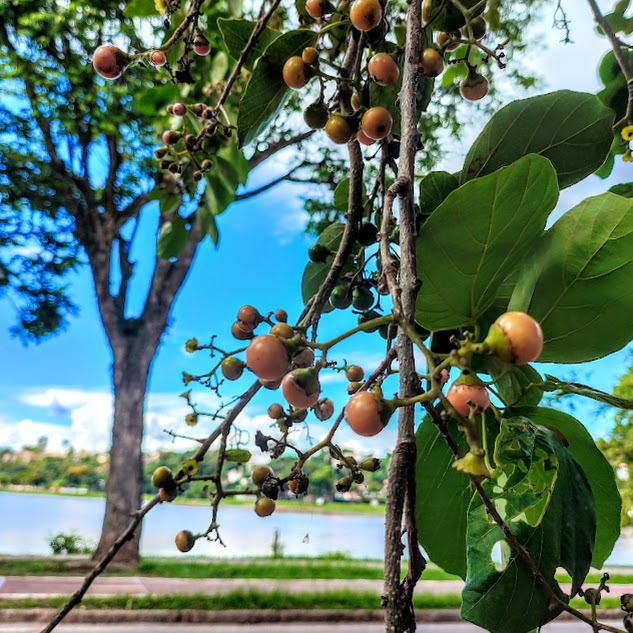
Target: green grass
x=281 y=569
x=342 y=599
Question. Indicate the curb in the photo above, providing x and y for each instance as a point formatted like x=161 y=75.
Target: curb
x=238 y=616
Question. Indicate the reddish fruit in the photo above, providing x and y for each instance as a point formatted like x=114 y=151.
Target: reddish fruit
x=305 y=358
x=355 y=373
x=383 y=69
x=261 y=474
x=362 y=138
x=168 y=494
x=264 y=507
x=315 y=8
x=185 y=541
x=239 y=333
x=377 y=122
x=365 y=415
x=474 y=87
x=180 y=109
x=324 y=409
x=110 y=61
x=446 y=42
x=171 y=137
x=309 y=55
x=516 y=338
x=294 y=73
x=271 y=384
x=283 y=330
x=339 y=130
x=267 y=358
x=281 y=315
x=158 y=58
x=249 y=318
x=445 y=374
x=301 y=388
x=365 y=14
x=275 y=411
x=201 y=45
x=431 y=62
x=461 y=395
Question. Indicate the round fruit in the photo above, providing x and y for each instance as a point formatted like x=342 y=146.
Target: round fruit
x=341 y=298
x=362 y=298
x=264 y=507
x=446 y=42
x=431 y=62
x=271 y=384
x=275 y=411
x=162 y=477
x=232 y=368
x=377 y=122
x=109 y=61
x=361 y=137
x=249 y=318
x=315 y=8
x=185 y=541
x=318 y=253
x=367 y=234
x=369 y=316
x=299 y=486
x=168 y=494
x=362 y=413
x=316 y=115
x=261 y=474
x=158 y=59
x=281 y=315
x=283 y=330
x=299 y=392
x=309 y=55
x=479 y=27
x=383 y=69
x=461 y=395
x=180 y=109
x=339 y=130
x=171 y=137
x=365 y=14
x=239 y=333
x=294 y=73
x=355 y=373
x=201 y=45
x=304 y=358
x=355 y=101
x=324 y=409
x=474 y=87
x=267 y=358
x=521 y=338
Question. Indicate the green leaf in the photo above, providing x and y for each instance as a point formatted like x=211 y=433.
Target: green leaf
x=598 y=470
x=577 y=281
x=168 y=199
x=509 y=599
x=140 y=9
x=477 y=237
x=564 y=387
x=172 y=238
x=219 y=66
x=515 y=384
x=341 y=196
x=434 y=189
x=236 y=33
x=206 y=216
x=441 y=525
x=571 y=129
x=624 y=189
x=239 y=165
x=266 y=92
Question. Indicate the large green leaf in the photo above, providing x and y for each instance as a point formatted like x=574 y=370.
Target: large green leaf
x=477 y=237
x=172 y=238
x=578 y=281
x=508 y=599
x=236 y=33
x=599 y=473
x=266 y=91
x=515 y=384
x=441 y=524
x=140 y=9
x=571 y=129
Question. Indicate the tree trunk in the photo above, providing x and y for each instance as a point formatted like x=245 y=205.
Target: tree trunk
x=124 y=490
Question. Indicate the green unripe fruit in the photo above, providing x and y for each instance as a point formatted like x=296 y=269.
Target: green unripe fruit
x=232 y=368
x=316 y=115
x=369 y=316
x=341 y=297
x=367 y=234
x=162 y=477
x=318 y=253
x=362 y=298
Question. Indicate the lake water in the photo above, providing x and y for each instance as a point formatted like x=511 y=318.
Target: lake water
x=28 y=520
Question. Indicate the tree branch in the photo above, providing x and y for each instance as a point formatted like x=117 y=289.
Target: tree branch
x=272 y=183
x=259 y=157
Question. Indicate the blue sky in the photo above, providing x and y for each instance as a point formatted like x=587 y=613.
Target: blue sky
x=61 y=387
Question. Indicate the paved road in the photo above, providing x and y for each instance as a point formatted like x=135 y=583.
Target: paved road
x=293 y=627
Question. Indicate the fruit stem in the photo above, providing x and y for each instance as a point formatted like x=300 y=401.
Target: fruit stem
x=374 y=323
x=333 y=25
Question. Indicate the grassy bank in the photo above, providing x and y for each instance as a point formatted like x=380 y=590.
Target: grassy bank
x=282 y=569
x=262 y=600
